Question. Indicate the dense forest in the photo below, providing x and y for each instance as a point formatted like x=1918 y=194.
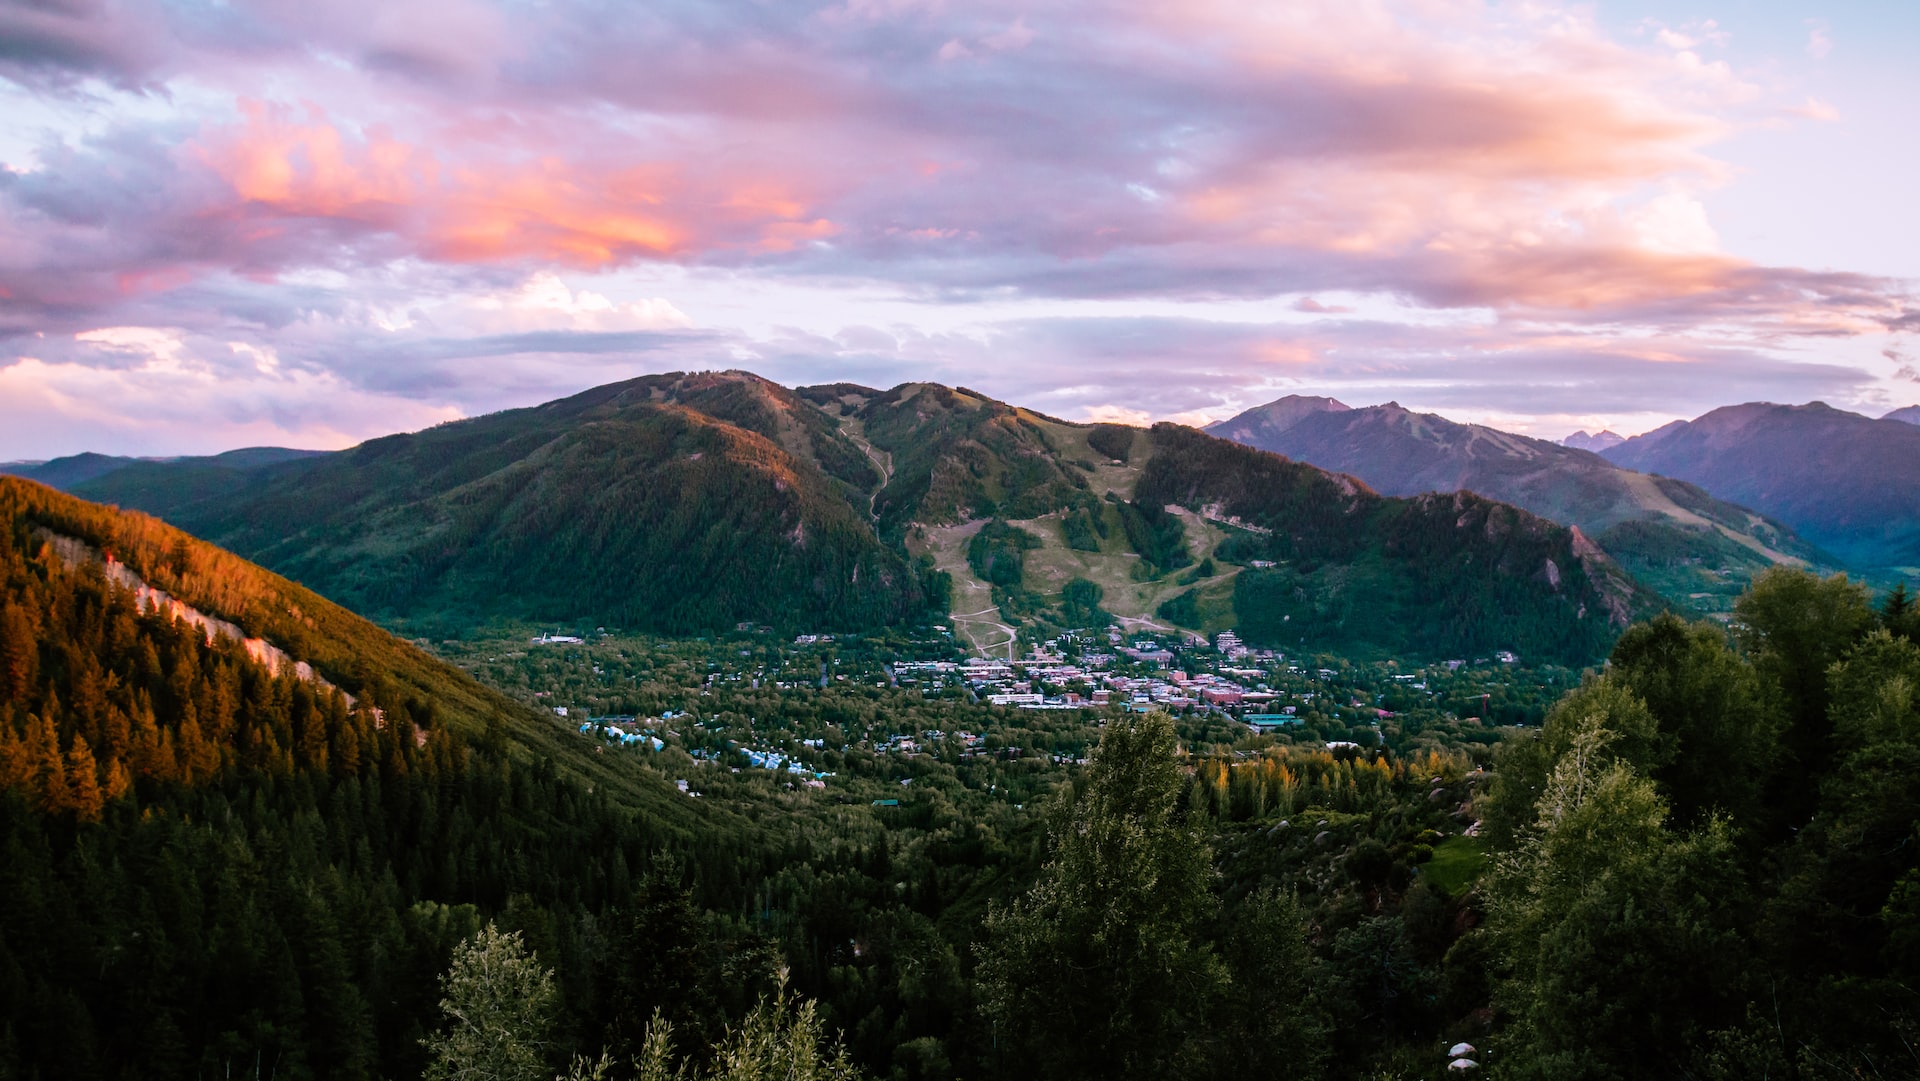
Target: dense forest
x=1703 y=863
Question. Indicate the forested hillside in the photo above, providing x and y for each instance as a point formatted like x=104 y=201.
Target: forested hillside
x=215 y=866
x=1350 y=569
x=959 y=455
x=618 y=506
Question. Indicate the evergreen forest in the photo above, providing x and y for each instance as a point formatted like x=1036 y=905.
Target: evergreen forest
x=1701 y=860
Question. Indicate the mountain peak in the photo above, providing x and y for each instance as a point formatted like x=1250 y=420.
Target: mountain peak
x=1596 y=442
x=1840 y=479
x=1275 y=417
x=1909 y=415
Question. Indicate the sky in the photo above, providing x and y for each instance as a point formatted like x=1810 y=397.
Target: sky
x=286 y=223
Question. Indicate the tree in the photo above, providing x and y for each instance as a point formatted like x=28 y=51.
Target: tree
x=781 y=1039
x=659 y=970
x=1100 y=970
x=1843 y=919
x=1616 y=931
x=1524 y=765
x=1900 y=615
x=499 y=1003
x=1720 y=727
x=1280 y=1028
x=1794 y=625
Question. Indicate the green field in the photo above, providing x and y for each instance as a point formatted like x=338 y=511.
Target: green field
x=1457 y=862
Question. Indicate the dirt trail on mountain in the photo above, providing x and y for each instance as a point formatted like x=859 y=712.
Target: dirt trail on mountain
x=884 y=465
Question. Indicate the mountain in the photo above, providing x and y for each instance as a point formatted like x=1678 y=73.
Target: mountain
x=241 y=822
x=71 y=470
x=1017 y=507
x=1846 y=482
x=1907 y=415
x=1263 y=423
x=1596 y=442
x=1695 y=549
x=1330 y=558
x=64 y=473
x=685 y=503
x=676 y=503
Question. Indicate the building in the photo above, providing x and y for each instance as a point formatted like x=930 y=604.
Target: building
x=1263 y=722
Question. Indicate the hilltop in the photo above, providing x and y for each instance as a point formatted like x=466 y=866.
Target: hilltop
x=672 y=503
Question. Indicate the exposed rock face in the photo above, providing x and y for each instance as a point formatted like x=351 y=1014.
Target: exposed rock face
x=78 y=553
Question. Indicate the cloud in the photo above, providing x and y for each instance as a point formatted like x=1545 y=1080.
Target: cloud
x=1308 y=304
x=1819 y=39
x=1117 y=414
x=56 y=45
x=55 y=408
x=544 y=301
x=413 y=200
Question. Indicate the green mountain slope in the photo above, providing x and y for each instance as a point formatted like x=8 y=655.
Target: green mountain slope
x=957 y=455
x=1697 y=550
x=1109 y=507
x=686 y=503
x=1849 y=483
x=630 y=504
x=1452 y=573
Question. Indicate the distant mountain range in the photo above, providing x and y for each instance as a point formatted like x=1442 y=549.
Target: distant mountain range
x=1846 y=482
x=684 y=503
x=1692 y=547
x=80 y=468
x=1909 y=415
x=1596 y=442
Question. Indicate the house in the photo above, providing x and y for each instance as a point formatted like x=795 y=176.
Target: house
x=1266 y=722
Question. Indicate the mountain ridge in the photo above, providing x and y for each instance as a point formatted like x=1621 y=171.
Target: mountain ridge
x=1673 y=534
x=688 y=502
x=1845 y=481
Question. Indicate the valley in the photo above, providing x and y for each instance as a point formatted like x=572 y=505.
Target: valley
x=676 y=826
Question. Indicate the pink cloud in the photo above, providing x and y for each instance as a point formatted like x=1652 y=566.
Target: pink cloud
x=282 y=167
x=1517 y=161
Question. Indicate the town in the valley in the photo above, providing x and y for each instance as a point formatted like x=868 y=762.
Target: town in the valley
x=800 y=710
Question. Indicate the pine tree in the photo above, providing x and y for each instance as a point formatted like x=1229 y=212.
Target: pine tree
x=47 y=769
x=19 y=653
x=83 y=778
